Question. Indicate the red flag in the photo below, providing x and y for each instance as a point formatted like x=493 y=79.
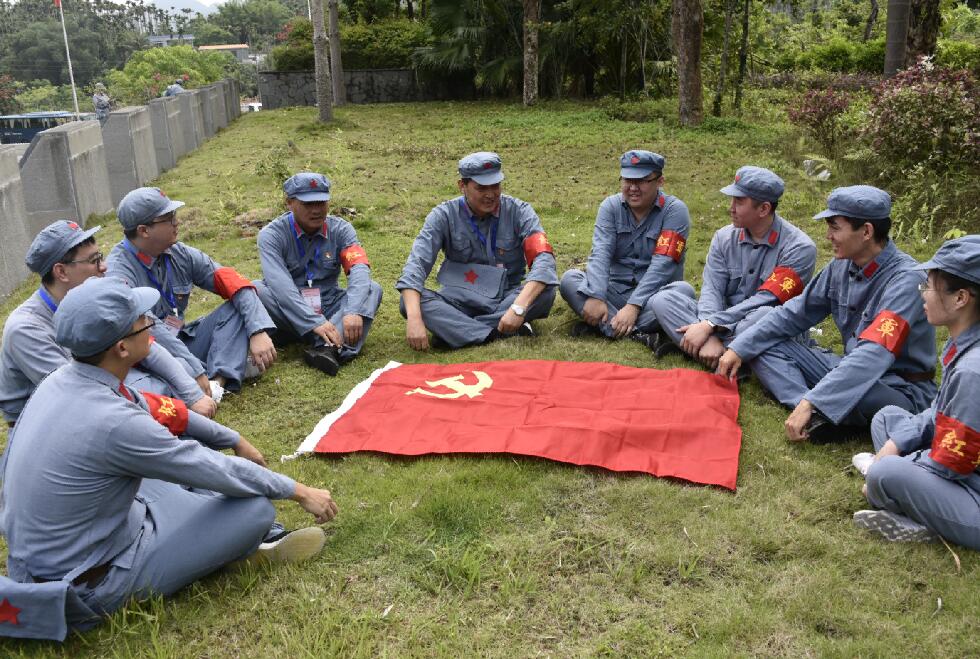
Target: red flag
x=678 y=423
x=57 y=3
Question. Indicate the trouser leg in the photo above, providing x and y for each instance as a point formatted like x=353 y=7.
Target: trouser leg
x=539 y=308
x=341 y=308
x=910 y=487
x=448 y=322
x=674 y=306
x=284 y=333
x=789 y=369
x=220 y=341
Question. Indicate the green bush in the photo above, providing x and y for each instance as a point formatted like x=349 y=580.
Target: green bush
x=148 y=72
x=958 y=55
x=387 y=44
x=838 y=55
x=41 y=95
x=296 y=50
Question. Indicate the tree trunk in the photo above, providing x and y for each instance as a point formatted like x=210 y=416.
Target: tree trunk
x=720 y=90
x=622 y=68
x=687 y=28
x=924 y=22
x=872 y=19
x=321 y=46
x=743 y=58
x=409 y=10
x=896 y=35
x=336 y=64
x=532 y=16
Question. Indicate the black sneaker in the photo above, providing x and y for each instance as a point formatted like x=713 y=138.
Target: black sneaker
x=526 y=330
x=291 y=546
x=821 y=430
x=323 y=358
x=438 y=343
x=582 y=328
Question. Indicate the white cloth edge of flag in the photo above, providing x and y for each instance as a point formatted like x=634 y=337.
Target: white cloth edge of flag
x=323 y=426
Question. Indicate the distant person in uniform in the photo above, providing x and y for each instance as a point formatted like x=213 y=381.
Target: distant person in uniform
x=637 y=249
x=499 y=270
x=176 y=88
x=302 y=253
x=924 y=479
x=102 y=103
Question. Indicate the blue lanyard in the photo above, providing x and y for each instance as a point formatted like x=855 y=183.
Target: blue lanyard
x=476 y=229
x=168 y=291
x=302 y=252
x=47 y=299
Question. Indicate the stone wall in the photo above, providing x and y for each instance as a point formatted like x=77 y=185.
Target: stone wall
x=129 y=150
x=279 y=89
x=13 y=212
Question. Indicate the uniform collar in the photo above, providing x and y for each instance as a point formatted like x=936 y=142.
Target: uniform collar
x=962 y=343
x=299 y=232
x=876 y=264
x=658 y=205
x=141 y=256
x=95 y=373
x=771 y=239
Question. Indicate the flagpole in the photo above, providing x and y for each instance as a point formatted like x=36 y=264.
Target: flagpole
x=71 y=74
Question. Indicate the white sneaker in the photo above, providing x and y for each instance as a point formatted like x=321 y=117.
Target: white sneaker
x=217 y=391
x=292 y=546
x=862 y=461
x=892 y=526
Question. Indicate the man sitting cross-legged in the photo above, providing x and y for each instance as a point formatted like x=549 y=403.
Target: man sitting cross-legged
x=109 y=493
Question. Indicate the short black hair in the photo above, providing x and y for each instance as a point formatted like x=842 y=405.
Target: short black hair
x=131 y=233
x=92 y=360
x=758 y=202
x=954 y=283
x=48 y=278
x=880 y=226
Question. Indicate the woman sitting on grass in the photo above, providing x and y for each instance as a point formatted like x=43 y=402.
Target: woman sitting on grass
x=925 y=475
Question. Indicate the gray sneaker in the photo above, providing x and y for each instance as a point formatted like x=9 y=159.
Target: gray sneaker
x=892 y=526
x=291 y=546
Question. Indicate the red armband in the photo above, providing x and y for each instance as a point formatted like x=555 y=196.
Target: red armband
x=535 y=244
x=670 y=243
x=888 y=329
x=352 y=256
x=955 y=445
x=227 y=282
x=170 y=413
x=784 y=283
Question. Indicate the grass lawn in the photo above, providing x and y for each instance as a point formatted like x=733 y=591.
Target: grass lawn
x=506 y=556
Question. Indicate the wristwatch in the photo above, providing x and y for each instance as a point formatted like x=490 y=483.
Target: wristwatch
x=518 y=309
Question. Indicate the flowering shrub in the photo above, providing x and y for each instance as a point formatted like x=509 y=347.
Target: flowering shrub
x=819 y=114
x=925 y=115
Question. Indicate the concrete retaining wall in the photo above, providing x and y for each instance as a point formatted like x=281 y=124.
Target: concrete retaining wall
x=14 y=222
x=129 y=151
x=168 y=137
x=79 y=169
x=64 y=175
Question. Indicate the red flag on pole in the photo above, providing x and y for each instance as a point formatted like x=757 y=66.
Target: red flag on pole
x=678 y=423
x=57 y=3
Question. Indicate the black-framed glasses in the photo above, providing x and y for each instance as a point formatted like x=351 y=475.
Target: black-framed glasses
x=96 y=260
x=924 y=286
x=170 y=218
x=150 y=322
x=639 y=182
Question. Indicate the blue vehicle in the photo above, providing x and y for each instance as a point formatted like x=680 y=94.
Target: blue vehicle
x=16 y=128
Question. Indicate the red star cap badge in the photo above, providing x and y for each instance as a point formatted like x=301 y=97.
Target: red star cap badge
x=162 y=193
x=634 y=160
x=73 y=226
x=487 y=165
x=738 y=177
x=8 y=612
x=312 y=182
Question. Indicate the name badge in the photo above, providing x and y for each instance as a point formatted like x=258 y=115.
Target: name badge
x=173 y=323
x=312 y=298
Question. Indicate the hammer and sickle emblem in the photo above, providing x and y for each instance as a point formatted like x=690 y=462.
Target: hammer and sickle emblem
x=887 y=327
x=458 y=387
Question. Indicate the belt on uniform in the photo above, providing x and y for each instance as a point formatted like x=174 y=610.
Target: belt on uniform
x=917 y=376
x=91 y=577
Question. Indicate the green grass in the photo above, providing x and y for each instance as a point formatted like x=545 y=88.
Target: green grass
x=506 y=556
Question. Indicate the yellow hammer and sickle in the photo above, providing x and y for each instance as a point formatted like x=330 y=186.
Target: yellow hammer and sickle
x=459 y=388
x=663 y=241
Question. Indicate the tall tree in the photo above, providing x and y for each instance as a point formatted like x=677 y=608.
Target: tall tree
x=924 y=20
x=532 y=16
x=872 y=19
x=336 y=64
x=321 y=63
x=687 y=28
x=896 y=35
x=723 y=68
x=743 y=56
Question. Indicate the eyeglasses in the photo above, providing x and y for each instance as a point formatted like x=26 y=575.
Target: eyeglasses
x=638 y=182
x=96 y=260
x=170 y=218
x=150 y=322
x=924 y=286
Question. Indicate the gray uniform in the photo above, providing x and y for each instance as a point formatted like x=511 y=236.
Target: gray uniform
x=103 y=106
x=30 y=352
x=630 y=262
x=930 y=492
x=889 y=348
x=742 y=280
x=216 y=343
x=293 y=261
x=484 y=269
x=75 y=498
